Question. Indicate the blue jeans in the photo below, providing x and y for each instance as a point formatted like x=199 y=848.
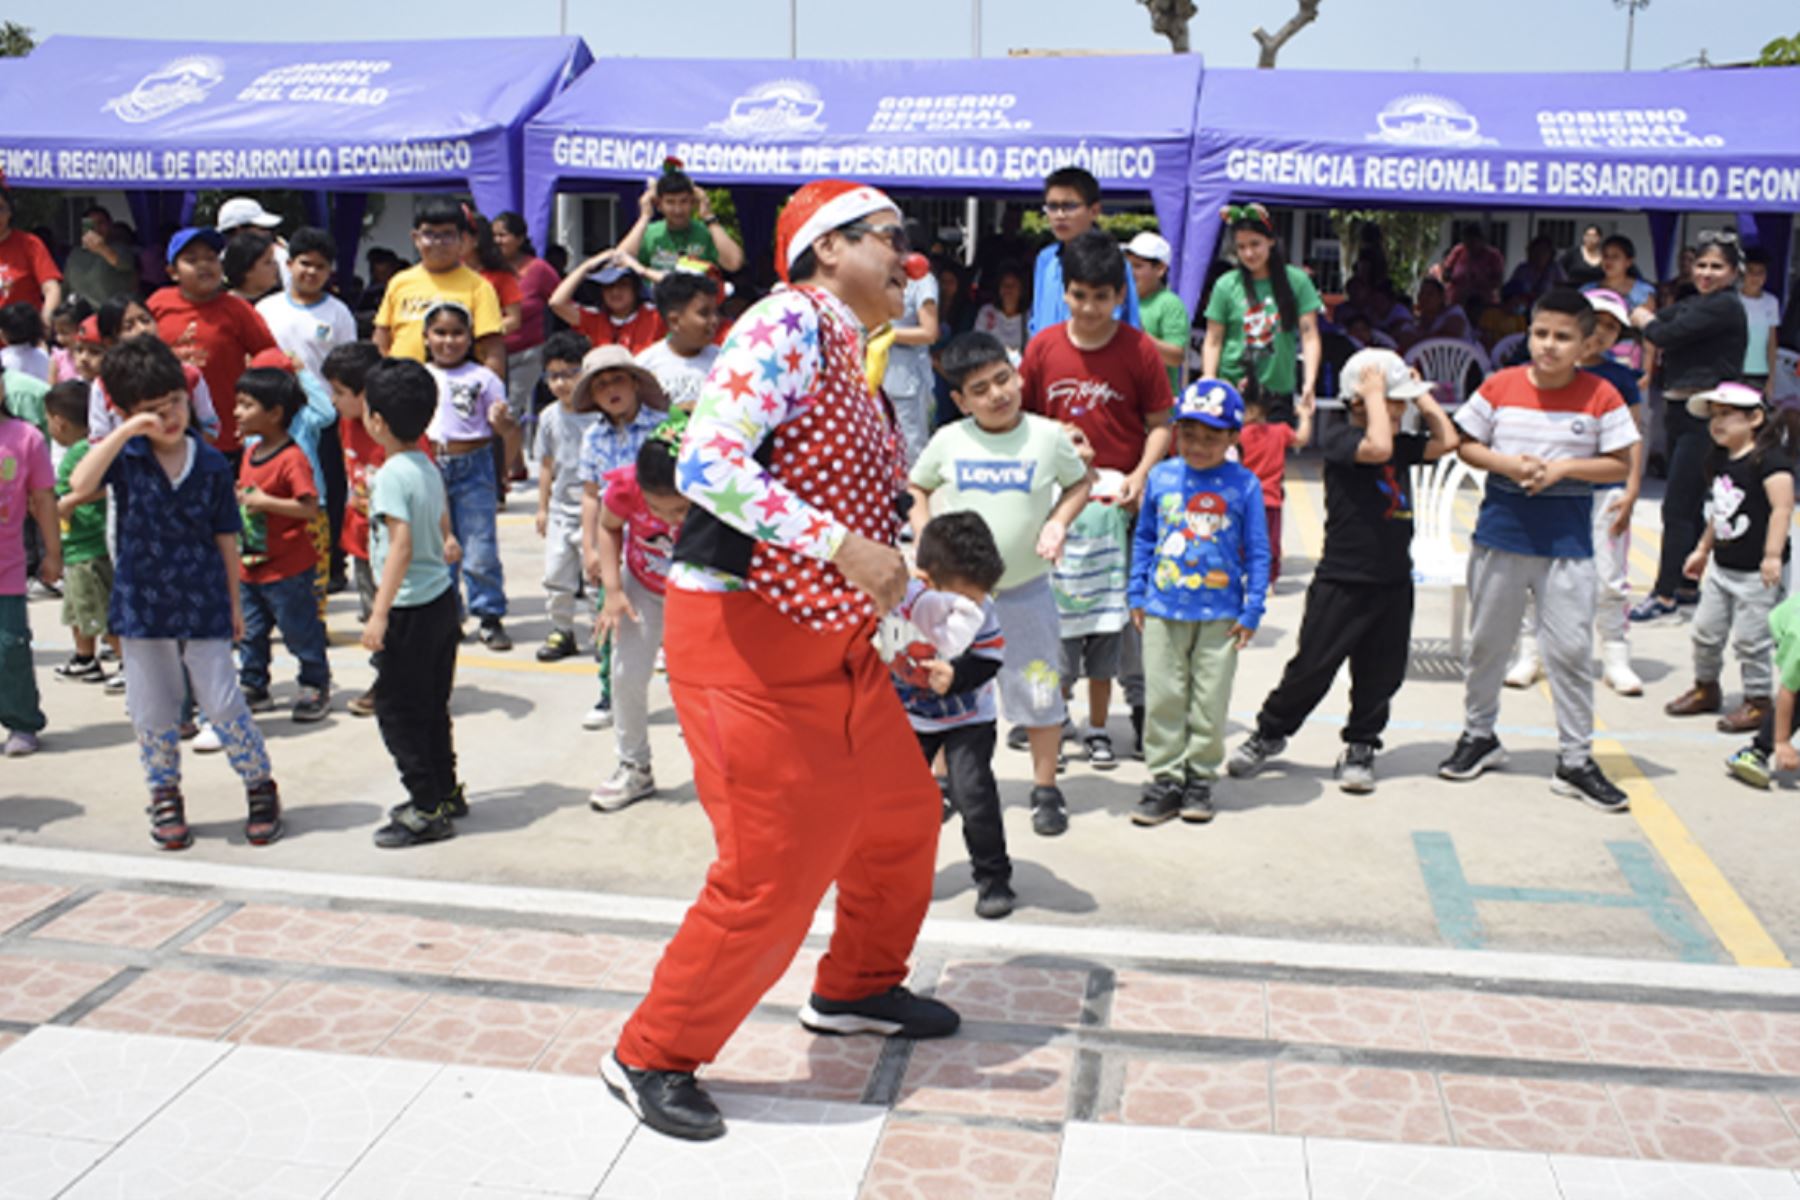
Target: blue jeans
x=469 y=481
x=290 y=606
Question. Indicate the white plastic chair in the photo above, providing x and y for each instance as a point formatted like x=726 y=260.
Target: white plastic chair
x=1437 y=563
x=1446 y=362
x=1787 y=379
x=1503 y=349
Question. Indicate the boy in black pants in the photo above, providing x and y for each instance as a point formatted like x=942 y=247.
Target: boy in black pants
x=944 y=646
x=1360 y=604
x=413 y=626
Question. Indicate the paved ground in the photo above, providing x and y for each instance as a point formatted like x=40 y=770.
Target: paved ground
x=1499 y=864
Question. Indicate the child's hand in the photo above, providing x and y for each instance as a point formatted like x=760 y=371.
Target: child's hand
x=702 y=204
x=50 y=569
x=1050 y=540
x=499 y=415
x=374 y=633
x=1694 y=565
x=543 y=522
x=251 y=497
x=1787 y=758
x=940 y=675
x=1624 y=504
x=1083 y=447
x=616 y=610
x=237 y=623
x=590 y=564
x=1137 y=619
x=139 y=424
x=1542 y=475
x=452 y=551
x=1241 y=636
x=1771 y=570
x=1523 y=468
x=647 y=201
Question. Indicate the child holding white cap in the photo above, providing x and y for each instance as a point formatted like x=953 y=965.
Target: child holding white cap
x=1165 y=317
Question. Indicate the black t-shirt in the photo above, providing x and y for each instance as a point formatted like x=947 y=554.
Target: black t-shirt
x=1368 y=509
x=1737 y=505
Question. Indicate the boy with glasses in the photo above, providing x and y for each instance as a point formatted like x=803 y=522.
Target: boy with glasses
x=438 y=227
x=1072 y=205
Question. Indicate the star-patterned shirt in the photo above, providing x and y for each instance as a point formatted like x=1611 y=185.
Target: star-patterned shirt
x=791 y=376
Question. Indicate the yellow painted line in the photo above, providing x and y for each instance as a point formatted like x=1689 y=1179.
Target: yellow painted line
x=582 y=665
x=1307 y=519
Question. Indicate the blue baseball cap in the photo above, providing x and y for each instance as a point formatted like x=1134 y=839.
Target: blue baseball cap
x=211 y=237
x=1211 y=402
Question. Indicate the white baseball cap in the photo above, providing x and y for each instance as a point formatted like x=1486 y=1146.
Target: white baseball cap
x=1734 y=395
x=1396 y=377
x=1151 y=246
x=244 y=210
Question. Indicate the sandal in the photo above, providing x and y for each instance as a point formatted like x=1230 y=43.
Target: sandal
x=168 y=819
x=263 y=825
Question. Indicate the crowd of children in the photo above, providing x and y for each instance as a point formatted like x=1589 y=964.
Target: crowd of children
x=1089 y=516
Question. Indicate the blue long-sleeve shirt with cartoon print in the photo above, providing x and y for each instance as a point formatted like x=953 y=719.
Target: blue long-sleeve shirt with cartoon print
x=1201 y=548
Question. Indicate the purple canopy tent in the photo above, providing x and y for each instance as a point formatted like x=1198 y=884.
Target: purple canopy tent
x=967 y=126
x=1664 y=143
x=152 y=116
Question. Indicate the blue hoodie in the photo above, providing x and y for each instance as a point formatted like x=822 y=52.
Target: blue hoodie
x=1201 y=549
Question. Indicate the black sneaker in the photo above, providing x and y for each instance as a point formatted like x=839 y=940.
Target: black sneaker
x=492 y=634
x=1471 y=757
x=258 y=700
x=1099 y=750
x=559 y=645
x=670 y=1102
x=1587 y=784
x=312 y=705
x=1196 y=802
x=1160 y=802
x=168 y=819
x=893 y=1013
x=1049 y=812
x=1018 y=738
x=993 y=900
x=81 y=670
x=456 y=804
x=410 y=825
x=1356 y=769
x=1251 y=757
x=262 y=824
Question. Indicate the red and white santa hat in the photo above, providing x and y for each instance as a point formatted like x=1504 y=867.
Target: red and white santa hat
x=818 y=208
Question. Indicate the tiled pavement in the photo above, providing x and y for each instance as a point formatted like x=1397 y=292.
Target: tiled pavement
x=208 y=1041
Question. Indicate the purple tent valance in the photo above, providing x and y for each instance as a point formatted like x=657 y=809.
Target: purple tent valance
x=371 y=116
x=958 y=126
x=1724 y=141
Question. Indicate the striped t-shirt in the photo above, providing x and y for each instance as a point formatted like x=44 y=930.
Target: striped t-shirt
x=1509 y=414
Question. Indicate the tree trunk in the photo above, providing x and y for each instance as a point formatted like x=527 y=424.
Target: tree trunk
x=1170 y=18
x=1271 y=44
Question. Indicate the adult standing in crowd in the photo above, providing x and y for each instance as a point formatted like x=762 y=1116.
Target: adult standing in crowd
x=908 y=381
x=28 y=274
x=103 y=265
x=1702 y=339
x=803 y=758
x=537 y=280
x=1581 y=263
x=1473 y=270
x=1260 y=316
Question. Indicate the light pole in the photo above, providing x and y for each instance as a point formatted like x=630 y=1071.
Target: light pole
x=1631 y=11
x=793 y=28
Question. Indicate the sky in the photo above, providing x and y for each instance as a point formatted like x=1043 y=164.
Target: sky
x=1388 y=35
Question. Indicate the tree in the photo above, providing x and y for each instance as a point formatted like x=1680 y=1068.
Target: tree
x=1782 y=52
x=15 y=40
x=1410 y=238
x=1170 y=18
x=1271 y=43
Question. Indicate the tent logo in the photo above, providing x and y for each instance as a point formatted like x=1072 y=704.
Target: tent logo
x=179 y=83
x=1426 y=120
x=779 y=108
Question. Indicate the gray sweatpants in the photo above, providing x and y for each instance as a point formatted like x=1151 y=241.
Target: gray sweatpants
x=635 y=644
x=1735 y=606
x=1563 y=589
x=154 y=688
x=562 y=570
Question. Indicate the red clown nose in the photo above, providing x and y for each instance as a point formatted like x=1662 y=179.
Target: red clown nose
x=917 y=266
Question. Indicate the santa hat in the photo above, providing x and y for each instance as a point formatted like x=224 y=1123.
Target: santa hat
x=89 y=331
x=818 y=208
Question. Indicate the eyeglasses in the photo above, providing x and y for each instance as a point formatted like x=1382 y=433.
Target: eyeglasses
x=894 y=235
x=438 y=237
x=561 y=376
x=1716 y=237
x=1062 y=208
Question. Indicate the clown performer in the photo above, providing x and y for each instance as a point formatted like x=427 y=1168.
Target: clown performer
x=803 y=757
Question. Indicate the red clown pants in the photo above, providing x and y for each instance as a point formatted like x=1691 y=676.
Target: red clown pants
x=811 y=775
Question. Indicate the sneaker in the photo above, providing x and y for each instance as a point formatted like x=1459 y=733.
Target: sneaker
x=1746 y=717
x=1752 y=767
x=1250 y=758
x=1652 y=608
x=1049 y=812
x=1160 y=802
x=893 y=1013
x=598 y=717
x=208 y=741
x=258 y=700
x=20 y=743
x=1701 y=698
x=994 y=900
x=1356 y=769
x=362 y=705
x=629 y=784
x=559 y=645
x=1471 y=757
x=1018 y=738
x=1588 y=785
x=492 y=634
x=115 y=684
x=1615 y=669
x=1099 y=750
x=81 y=670
x=456 y=804
x=312 y=705
x=263 y=824
x=168 y=819
x=410 y=825
x=1525 y=668
x=670 y=1102
x=1196 y=802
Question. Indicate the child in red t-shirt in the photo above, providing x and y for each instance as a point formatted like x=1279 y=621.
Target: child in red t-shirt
x=1263 y=446
x=279 y=500
x=207 y=326
x=623 y=319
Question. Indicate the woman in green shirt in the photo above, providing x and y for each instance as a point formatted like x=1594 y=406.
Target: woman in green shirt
x=1260 y=316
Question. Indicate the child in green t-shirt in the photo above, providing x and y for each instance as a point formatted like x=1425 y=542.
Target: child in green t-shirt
x=688 y=228
x=87 y=569
x=1165 y=317
x=1773 y=747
